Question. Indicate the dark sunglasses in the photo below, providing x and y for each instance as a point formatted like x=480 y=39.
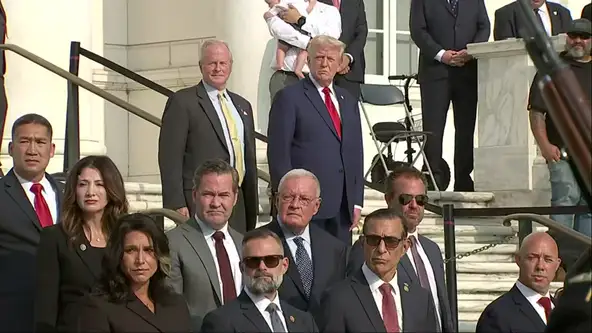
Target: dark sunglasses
x=390 y=242
x=405 y=199
x=269 y=261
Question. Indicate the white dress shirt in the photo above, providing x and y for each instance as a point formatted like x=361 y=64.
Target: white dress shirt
x=322 y=94
x=238 y=120
x=543 y=12
x=262 y=302
x=289 y=236
x=429 y=271
x=375 y=282
x=48 y=193
x=533 y=298
x=322 y=20
x=233 y=255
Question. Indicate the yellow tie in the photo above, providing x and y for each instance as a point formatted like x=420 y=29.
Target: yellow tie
x=236 y=145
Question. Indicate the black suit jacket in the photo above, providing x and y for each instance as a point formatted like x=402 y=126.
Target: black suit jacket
x=97 y=314
x=407 y=274
x=587 y=12
x=434 y=27
x=191 y=133
x=241 y=315
x=354 y=31
x=19 y=237
x=328 y=258
x=509 y=20
x=510 y=313
x=64 y=275
x=350 y=307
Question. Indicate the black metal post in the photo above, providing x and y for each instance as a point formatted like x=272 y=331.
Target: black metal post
x=410 y=151
x=524 y=229
x=450 y=252
x=72 y=139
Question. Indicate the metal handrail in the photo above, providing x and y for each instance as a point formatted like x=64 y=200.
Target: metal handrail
x=169 y=214
x=549 y=223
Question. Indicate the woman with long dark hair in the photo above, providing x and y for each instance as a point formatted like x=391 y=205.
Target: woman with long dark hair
x=132 y=295
x=70 y=253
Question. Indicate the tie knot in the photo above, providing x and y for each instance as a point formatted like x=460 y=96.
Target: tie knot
x=299 y=241
x=271 y=308
x=385 y=288
x=413 y=240
x=218 y=236
x=327 y=91
x=545 y=302
x=37 y=188
x=221 y=95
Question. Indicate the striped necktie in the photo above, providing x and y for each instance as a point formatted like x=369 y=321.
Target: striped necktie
x=234 y=138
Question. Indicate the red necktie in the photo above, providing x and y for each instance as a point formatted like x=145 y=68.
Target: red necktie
x=389 y=309
x=228 y=289
x=545 y=302
x=336 y=3
x=41 y=207
x=332 y=111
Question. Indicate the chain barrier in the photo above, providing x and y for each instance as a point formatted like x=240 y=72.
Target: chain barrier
x=481 y=249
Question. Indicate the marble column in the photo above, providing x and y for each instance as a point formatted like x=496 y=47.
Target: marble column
x=46 y=28
x=506 y=153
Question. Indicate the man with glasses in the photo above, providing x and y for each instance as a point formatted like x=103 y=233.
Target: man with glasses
x=376 y=298
x=205 y=251
x=313 y=253
x=258 y=308
x=406 y=191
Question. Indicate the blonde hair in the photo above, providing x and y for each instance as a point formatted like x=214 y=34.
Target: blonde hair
x=325 y=41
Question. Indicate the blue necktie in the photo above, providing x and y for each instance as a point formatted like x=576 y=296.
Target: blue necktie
x=304 y=265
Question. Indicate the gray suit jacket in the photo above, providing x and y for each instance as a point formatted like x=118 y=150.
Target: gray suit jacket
x=193 y=270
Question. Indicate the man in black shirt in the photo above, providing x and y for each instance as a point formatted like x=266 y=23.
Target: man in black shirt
x=565 y=190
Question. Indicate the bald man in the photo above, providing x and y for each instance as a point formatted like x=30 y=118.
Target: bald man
x=527 y=306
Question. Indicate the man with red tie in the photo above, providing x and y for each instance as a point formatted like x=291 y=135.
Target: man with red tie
x=374 y=298
x=528 y=305
x=29 y=201
x=315 y=125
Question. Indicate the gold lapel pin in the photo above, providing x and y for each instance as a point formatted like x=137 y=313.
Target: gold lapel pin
x=292 y=318
x=405 y=287
x=82 y=247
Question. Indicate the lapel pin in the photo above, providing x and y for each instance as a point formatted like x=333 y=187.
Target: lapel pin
x=554 y=13
x=341 y=96
x=406 y=287
x=292 y=318
x=82 y=247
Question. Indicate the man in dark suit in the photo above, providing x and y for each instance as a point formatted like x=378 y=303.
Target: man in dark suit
x=422 y=264
x=354 y=31
x=3 y=99
x=375 y=298
x=259 y=308
x=29 y=200
x=317 y=258
x=442 y=30
x=205 y=251
x=587 y=12
x=316 y=126
x=204 y=122
x=528 y=305
x=509 y=19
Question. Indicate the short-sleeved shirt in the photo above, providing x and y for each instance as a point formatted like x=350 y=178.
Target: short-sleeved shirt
x=583 y=73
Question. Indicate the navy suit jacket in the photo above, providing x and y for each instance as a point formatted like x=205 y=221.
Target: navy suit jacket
x=328 y=259
x=509 y=20
x=301 y=135
x=510 y=313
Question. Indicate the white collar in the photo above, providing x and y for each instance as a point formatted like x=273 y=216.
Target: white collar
x=26 y=183
x=319 y=87
x=208 y=231
x=375 y=282
x=213 y=92
x=544 y=8
x=289 y=235
x=262 y=302
x=531 y=295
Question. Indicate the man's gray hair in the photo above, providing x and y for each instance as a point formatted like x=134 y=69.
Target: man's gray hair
x=324 y=41
x=212 y=42
x=300 y=173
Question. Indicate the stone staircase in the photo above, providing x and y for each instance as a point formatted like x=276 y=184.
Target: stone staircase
x=481 y=277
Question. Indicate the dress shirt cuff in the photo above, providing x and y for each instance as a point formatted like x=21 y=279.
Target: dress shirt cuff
x=439 y=55
x=351 y=58
x=358 y=207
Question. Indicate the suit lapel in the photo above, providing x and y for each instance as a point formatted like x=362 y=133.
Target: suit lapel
x=210 y=111
x=16 y=192
x=405 y=263
x=362 y=290
x=293 y=322
x=136 y=306
x=292 y=268
x=527 y=310
x=446 y=4
x=252 y=313
x=313 y=95
x=195 y=237
x=237 y=240
x=555 y=20
x=320 y=263
x=83 y=255
x=59 y=192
